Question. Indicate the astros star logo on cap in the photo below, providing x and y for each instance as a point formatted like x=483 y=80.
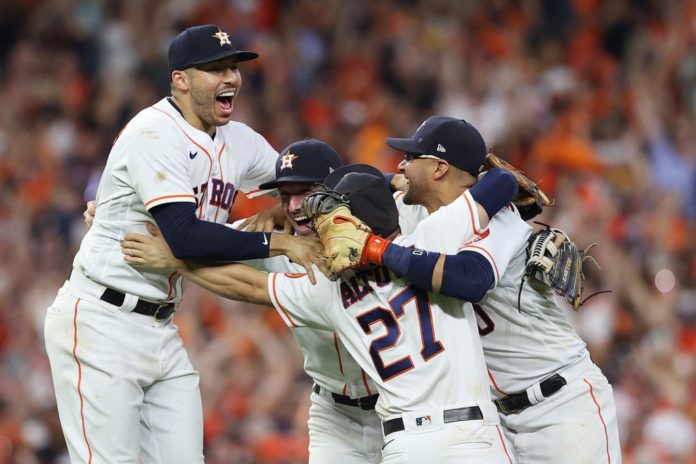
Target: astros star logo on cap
x=223 y=37
x=287 y=161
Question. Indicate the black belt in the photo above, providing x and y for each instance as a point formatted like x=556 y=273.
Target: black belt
x=159 y=311
x=449 y=415
x=518 y=402
x=366 y=402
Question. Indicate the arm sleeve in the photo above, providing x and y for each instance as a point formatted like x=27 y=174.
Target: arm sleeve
x=192 y=238
x=467 y=275
x=495 y=190
x=505 y=237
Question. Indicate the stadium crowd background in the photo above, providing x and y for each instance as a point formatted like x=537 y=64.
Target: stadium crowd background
x=596 y=98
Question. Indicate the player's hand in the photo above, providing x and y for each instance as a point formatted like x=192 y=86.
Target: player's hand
x=151 y=251
x=267 y=221
x=304 y=251
x=90 y=212
x=344 y=237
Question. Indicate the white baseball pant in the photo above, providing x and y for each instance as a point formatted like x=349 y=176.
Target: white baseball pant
x=125 y=387
x=576 y=425
x=469 y=441
x=342 y=434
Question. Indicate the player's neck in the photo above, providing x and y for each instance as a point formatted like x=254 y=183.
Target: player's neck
x=443 y=194
x=186 y=110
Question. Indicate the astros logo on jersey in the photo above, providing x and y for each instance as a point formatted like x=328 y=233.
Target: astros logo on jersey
x=286 y=161
x=223 y=37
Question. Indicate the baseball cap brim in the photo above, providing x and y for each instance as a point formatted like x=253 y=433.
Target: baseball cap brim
x=405 y=145
x=338 y=174
x=288 y=179
x=239 y=55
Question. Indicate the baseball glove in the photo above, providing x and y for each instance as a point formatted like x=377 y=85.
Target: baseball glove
x=343 y=235
x=556 y=261
x=530 y=199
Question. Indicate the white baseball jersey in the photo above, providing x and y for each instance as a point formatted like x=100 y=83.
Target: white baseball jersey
x=338 y=433
x=407 y=340
x=524 y=346
x=521 y=346
x=325 y=358
x=159 y=158
x=409 y=215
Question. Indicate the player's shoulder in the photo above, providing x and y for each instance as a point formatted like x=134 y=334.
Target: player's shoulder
x=154 y=121
x=236 y=129
x=325 y=289
x=508 y=218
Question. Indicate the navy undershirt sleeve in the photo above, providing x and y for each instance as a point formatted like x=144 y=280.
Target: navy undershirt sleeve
x=467 y=275
x=495 y=190
x=192 y=238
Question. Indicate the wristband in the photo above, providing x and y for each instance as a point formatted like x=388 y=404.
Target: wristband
x=374 y=249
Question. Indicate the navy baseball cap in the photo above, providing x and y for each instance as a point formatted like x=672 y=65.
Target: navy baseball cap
x=371 y=201
x=203 y=44
x=305 y=161
x=453 y=140
x=336 y=176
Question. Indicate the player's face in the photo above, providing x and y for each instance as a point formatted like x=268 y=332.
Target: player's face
x=214 y=87
x=416 y=174
x=291 y=196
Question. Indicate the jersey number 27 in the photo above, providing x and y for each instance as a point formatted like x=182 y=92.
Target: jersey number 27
x=390 y=318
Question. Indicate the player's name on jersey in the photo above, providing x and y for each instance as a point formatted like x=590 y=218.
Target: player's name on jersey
x=359 y=285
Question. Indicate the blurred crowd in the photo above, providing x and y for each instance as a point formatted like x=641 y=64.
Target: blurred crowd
x=596 y=99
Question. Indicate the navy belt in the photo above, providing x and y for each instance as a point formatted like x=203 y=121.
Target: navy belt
x=449 y=415
x=518 y=402
x=160 y=312
x=366 y=402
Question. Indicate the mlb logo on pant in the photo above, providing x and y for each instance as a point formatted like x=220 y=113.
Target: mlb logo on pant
x=425 y=420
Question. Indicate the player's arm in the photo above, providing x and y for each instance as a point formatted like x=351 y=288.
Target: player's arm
x=234 y=281
x=192 y=238
x=468 y=275
x=295 y=303
x=492 y=192
x=157 y=169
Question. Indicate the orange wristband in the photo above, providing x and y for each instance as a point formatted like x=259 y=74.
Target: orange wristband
x=374 y=249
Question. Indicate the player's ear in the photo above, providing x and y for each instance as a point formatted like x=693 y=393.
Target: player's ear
x=442 y=168
x=180 y=80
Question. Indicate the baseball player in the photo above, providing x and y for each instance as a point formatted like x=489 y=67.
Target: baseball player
x=343 y=426
x=422 y=350
x=555 y=403
x=126 y=390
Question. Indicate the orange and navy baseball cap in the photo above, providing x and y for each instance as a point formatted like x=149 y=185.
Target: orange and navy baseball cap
x=308 y=160
x=203 y=44
x=453 y=140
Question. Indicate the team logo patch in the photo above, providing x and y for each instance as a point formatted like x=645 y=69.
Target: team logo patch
x=223 y=37
x=425 y=420
x=286 y=161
